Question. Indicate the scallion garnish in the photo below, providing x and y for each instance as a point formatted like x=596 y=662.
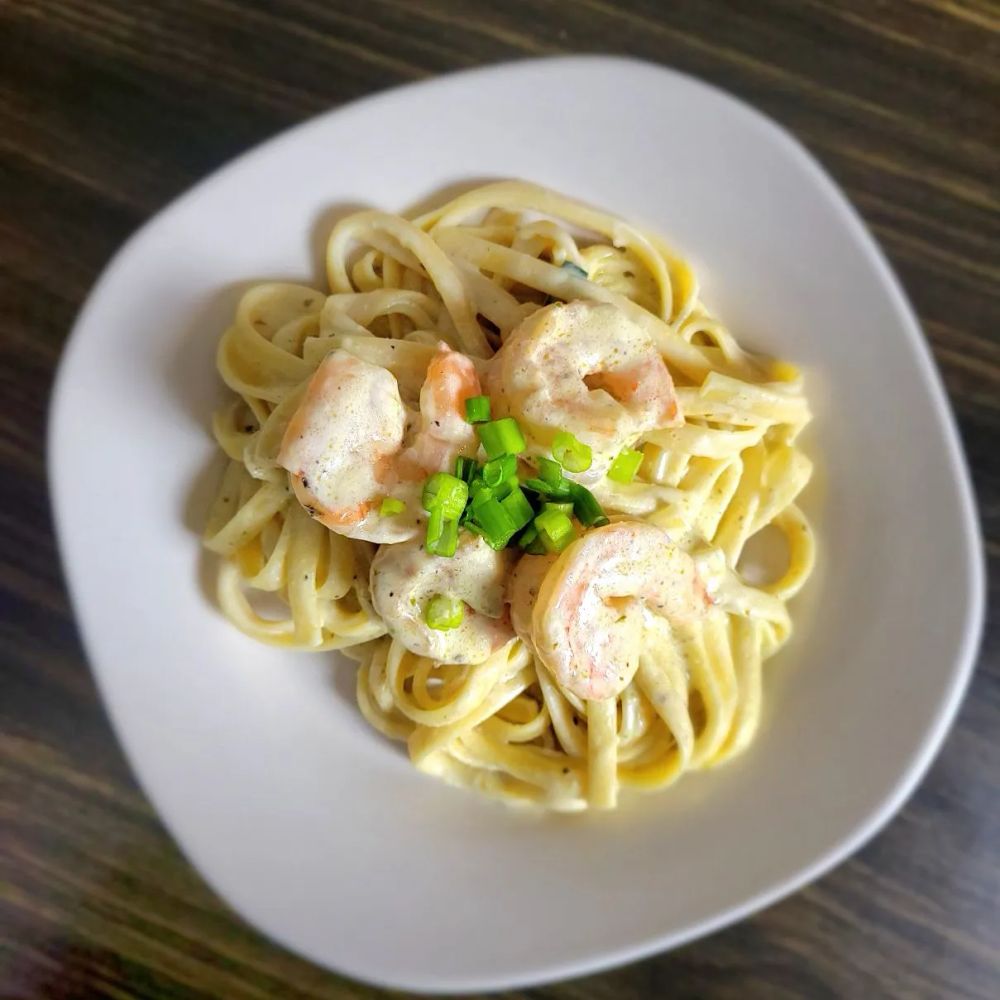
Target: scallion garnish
x=529 y=535
x=518 y=507
x=479 y=494
x=560 y=491
x=497 y=524
x=564 y=507
x=550 y=472
x=507 y=487
x=447 y=493
x=444 y=612
x=477 y=409
x=442 y=534
x=555 y=530
x=466 y=468
x=588 y=511
x=501 y=437
x=391 y=506
x=625 y=465
x=571 y=453
x=497 y=470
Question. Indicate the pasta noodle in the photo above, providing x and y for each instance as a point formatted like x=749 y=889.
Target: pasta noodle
x=467 y=274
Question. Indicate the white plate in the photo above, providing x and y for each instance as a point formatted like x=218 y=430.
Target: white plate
x=313 y=827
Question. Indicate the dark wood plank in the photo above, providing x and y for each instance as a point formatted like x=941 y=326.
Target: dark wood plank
x=109 y=108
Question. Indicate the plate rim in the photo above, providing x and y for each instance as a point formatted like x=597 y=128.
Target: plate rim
x=961 y=665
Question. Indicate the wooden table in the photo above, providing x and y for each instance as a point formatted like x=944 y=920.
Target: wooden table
x=109 y=108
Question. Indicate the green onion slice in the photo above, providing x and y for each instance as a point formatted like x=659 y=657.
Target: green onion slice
x=571 y=453
x=588 y=511
x=507 y=487
x=444 y=612
x=497 y=470
x=447 y=493
x=564 y=506
x=518 y=507
x=480 y=493
x=477 y=409
x=501 y=437
x=466 y=468
x=555 y=530
x=625 y=465
x=550 y=472
x=442 y=534
x=529 y=535
x=497 y=524
x=558 y=492
x=391 y=506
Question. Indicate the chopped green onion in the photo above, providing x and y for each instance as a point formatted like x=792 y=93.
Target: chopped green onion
x=480 y=493
x=390 y=506
x=550 y=472
x=449 y=539
x=558 y=492
x=497 y=470
x=568 y=265
x=517 y=506
x=497 y=524
x=564 y=507
x=435 y=528
x=447 y=493
x=465 y=468
x=477 y=409
x=555 y=530
x=442 y=534
x=588 y=511
x=507 y=487
x=501 y=437
x=444 y=612
x=625 y=465
x=529 y=535
x=530 y=542
x=573 y=454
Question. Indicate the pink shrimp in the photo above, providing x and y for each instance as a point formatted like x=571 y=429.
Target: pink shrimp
x=522 y=591
x=345 y=447
x=587 y=625
x=584 y=367
x=404 y=578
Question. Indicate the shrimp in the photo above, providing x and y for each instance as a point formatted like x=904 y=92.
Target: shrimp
x=587 y=368
x=589 y=618
x=346 y=448
x=522 y=591
x=404 y=578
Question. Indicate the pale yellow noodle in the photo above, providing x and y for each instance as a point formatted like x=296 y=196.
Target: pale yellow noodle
x=478 y=265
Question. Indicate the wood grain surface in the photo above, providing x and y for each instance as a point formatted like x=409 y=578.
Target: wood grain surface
x=109 y=108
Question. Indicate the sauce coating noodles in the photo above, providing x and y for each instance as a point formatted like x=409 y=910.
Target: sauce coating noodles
x=723 y=468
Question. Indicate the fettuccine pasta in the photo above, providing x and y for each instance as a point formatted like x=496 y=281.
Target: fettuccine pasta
x=617 y=640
